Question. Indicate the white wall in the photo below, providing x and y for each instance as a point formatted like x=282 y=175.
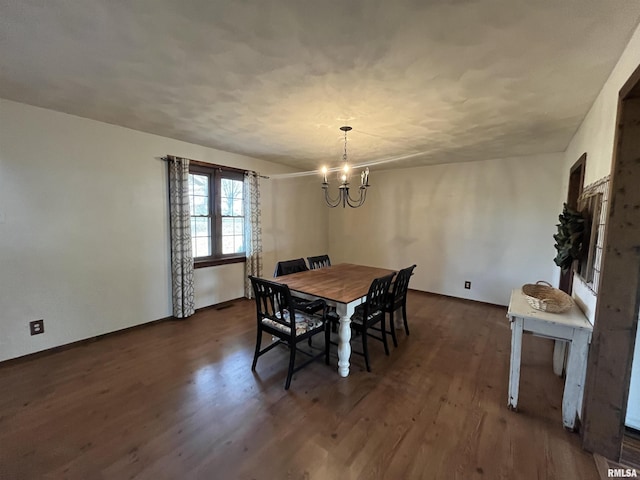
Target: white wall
x=595 y=137
x=300 y=230
x=490 y=222
x=595 y=134
x=84 y=227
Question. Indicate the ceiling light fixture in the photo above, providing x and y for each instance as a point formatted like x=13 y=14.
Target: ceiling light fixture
x=344 y=175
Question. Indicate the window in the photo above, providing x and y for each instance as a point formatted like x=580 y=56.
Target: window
x=217 y=215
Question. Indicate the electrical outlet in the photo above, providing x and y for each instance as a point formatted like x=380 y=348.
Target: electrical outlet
x=36 y=327
x=467 y=285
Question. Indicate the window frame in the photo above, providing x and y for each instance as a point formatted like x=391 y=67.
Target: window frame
x=216 y=174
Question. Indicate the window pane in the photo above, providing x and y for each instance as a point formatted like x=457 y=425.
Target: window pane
x=226 y=187
x=239 y=243
x=227 y=226
x=231 y=188
x=237 y=208
x=237 y=190
x=193 y=228
x=238 y=226
x=226 y=206
x=200 y=185
x=202 y=227
x=200 y=206
x=227 y=244
x=190 y=184
x=203 y=247
x=231 y=197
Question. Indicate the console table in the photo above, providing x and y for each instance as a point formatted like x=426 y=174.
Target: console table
x=571 y=327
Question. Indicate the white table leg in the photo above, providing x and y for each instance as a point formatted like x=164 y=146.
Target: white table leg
x=559 y=355
x=514 y=368
x=574 y=383
x=344 y=332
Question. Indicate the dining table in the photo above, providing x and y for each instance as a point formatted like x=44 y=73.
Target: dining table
x=343 y=286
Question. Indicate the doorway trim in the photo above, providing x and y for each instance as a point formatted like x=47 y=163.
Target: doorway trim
x=576 y=184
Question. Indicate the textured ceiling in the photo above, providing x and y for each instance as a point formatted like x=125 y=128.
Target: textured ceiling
x=428 y=81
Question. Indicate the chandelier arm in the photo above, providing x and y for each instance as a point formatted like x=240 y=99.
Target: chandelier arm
x=357 y=202
x=330 y=201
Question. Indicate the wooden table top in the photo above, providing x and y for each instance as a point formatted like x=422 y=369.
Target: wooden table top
x=342 y=283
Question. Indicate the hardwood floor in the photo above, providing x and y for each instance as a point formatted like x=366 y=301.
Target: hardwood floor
x=630 y=454
x=177 y=399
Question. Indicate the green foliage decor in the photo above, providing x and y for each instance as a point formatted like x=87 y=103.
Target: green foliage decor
x=570 y=237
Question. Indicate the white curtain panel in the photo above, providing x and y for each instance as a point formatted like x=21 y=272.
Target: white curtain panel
x=181 y=254
x=253 y=230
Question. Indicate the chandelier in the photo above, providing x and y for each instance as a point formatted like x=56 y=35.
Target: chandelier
x=344 y=175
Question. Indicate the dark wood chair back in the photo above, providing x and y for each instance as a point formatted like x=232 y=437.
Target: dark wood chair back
x=397 y=299
x=398 y=295
x=290 y=266
x=273 y=302
x=377 y=298
x=321 y=261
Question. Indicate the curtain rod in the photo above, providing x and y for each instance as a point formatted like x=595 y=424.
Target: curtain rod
x=213 y=165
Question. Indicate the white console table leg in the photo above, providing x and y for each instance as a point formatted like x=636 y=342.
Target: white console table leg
x=559 y=355
x=516 y=355
x=573 y=385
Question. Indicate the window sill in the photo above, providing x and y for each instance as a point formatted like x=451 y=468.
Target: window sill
x=214 y=262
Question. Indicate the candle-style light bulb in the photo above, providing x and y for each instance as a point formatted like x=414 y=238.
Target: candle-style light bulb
x=362 y=178
x=324 y=174
x=345 y=174
x=366 y=176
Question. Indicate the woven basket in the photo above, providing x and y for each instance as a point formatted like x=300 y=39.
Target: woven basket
x=542 y=296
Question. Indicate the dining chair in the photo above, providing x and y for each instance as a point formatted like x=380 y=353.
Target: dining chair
x=277 y=314
x=370 y=313
x=321 y=261
x=288 y=267
x=397 y=298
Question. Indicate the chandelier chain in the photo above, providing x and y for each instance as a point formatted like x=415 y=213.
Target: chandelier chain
x=344 y=155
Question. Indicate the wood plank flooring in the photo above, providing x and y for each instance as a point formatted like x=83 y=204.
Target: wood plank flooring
x=177 y=399
x=630 y=454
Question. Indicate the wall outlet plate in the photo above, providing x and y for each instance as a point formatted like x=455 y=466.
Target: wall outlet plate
x=36 y=327
x=467 y=285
